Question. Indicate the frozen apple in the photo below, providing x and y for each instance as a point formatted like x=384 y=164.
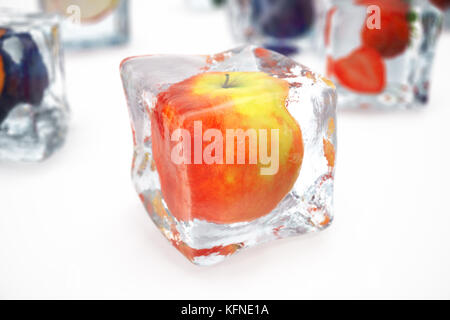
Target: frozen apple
x=245 y=149
x=232 y=149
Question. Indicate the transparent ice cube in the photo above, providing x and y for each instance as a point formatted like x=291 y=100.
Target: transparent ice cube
x=204 y=5
x=380 y=52
x=447 y=19
x=91 y=23
x=443 y=5
x=33 y=108
x=28 y=6
x=210 y=210
x=286 y=26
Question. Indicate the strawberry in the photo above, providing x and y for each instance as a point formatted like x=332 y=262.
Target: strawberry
x=393 y=37
x=362 y=71
x=441 y=4
x=330 y=66
x=400 y=7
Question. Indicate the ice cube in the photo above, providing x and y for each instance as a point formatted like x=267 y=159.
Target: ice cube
x=380 y=53
x=286 y=26
x=91 y=23
x=204 y=5
x=231 y=150
x=33 y=109
x=446 y=9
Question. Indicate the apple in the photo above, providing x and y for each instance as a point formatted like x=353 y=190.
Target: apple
x=234 y=187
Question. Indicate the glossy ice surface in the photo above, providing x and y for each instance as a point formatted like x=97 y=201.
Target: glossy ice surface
x=91 y=23
x=205 y=4
x=33 y=109
x=212 y=208
x=447 y=20
x=380 y=53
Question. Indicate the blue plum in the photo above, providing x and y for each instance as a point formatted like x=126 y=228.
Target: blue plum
x=283 y=19
x=24 y=81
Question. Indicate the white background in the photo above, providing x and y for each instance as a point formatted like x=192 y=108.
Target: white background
x=73 y=226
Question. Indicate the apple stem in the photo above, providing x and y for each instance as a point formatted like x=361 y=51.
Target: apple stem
x=225 y=85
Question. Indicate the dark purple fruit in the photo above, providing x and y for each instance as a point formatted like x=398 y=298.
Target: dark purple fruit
x=34 y=72
x=25 y=81
x=9 y=96
x=283 y=19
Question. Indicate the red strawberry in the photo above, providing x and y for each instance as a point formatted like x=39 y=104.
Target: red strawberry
x=441 y=4
x=330 y=66
x=387 y=6
x=393 y=37
x=363 y=71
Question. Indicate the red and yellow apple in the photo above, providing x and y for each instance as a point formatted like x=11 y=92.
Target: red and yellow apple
x=224 y=192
